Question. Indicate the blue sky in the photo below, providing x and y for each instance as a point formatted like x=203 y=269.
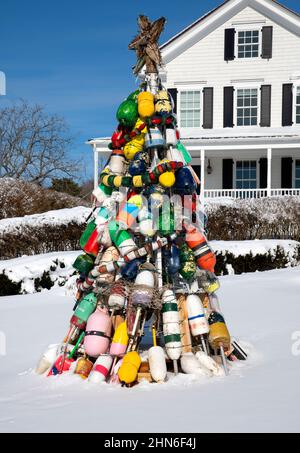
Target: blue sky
x=72 y=57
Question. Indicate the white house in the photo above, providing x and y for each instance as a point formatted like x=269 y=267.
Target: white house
x=234 y=75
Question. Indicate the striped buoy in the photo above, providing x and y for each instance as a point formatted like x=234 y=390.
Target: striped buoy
x=205 y=257
x=171 y=327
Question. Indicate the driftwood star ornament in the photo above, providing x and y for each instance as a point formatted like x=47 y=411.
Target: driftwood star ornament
x=146 y=44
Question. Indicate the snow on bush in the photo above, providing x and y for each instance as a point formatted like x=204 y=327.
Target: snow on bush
x=265 y=218
x=30 y=274
x=42 y=233
x=19 y=198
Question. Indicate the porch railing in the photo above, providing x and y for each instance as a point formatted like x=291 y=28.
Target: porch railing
x=249 y=193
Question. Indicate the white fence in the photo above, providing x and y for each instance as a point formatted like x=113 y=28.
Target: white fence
x=249 y=193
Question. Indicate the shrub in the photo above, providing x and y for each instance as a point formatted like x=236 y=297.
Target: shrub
x=8 y=287
x=19 y=198
x=44 y=282
x=268 y=218
x=252 y=263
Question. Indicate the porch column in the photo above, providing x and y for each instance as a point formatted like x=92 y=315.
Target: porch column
x=96 y=163
x=269 y=172
x=202 y=177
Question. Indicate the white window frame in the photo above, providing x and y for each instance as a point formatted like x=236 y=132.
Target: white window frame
x=243 y=29
x=249 y=159
x=295 y=89
x=246 y=87
x=190 y=88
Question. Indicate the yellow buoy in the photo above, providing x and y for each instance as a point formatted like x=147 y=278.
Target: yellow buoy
x=167 y=179
x=146 y=104
x=129 y=369
x=134 y=146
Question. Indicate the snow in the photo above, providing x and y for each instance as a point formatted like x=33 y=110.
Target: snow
x=259 y=395
x=256 y=247
x=57 y=217
x=27 y=268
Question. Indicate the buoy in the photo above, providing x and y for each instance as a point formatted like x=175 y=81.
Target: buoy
x=117 y=162
x=101 y=369
x=89 y=239
x=219 y=337
x=185 y=333
x=129 y=212
x=171 y=138
x=146 y=104
x=142 y=292
x=171 y=327
x=129 y=369
x=111 y=254
x=154 y=139
x=190 y=365
x=121 y=238
x=157 y=363
x=83 y=311
x=117 y=296
x=209 y=363
x=98 y=332
x=197 y=320
x=167 y=179
x=120 y=341
x=197 y=242
x=134 y=146
x=47 y=359
x=163 y=105
x=101 y=193
x=127 y=113
x=83 y=367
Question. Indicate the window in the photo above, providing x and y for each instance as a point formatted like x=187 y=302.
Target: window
x=298 y=106
x=248 y=44
x=190 y=108
x=246 y=174
x=247 y=107
x=297 y=175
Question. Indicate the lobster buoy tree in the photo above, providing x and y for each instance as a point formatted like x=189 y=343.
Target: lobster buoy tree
x=146 y=262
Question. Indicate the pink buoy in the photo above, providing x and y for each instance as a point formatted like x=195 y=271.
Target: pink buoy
x=98 y=333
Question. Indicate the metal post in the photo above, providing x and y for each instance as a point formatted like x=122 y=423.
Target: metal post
x=96 y=164
x=269 y=173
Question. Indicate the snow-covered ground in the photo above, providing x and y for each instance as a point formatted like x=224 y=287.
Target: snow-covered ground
x=263 y=394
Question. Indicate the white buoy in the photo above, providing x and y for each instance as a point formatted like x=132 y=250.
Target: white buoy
x=157 y=363
x=47 y=359
x=190 y=365
x=209 y=363
x=101 y=369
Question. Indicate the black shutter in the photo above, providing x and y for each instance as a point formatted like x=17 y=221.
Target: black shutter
x=229 y=44
x=287 y=104
x=227 y=173
x=173 y=93
x=263 y=172
x=286 y=173
x=267 y=42
x=208 y=108
x=265 y=112
x=228 y=107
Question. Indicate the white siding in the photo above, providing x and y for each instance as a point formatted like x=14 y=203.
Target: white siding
x=204 y=62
